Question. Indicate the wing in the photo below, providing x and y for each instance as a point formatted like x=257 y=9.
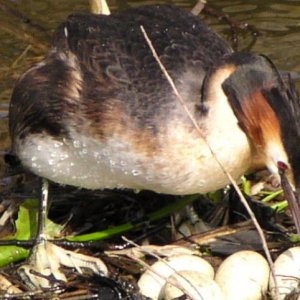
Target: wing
x=100 y=73
x=116 y=61
x=115 y=42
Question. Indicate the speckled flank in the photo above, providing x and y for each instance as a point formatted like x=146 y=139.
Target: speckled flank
x=174 y=159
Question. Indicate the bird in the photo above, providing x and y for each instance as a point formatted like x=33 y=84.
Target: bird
x=98 y=112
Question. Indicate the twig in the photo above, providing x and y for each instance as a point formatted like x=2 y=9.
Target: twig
x=232 y=181
x=214 y=234
x=233 y=25
x=21 y=56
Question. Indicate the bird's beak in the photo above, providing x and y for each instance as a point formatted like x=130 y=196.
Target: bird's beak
x=291 y=196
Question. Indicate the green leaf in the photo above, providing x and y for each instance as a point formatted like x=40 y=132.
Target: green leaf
x=26 y=226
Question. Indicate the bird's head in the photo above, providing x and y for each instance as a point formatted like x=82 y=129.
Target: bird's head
x=268 y=111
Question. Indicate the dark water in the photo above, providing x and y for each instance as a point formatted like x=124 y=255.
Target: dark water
x=277 y=24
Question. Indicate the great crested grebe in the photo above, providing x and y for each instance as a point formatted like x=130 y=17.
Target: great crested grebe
x=99 y=113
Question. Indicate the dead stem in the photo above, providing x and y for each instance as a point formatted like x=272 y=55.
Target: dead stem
x=22 y=55
x=234 y=25
x=232 y=181
x=213 y=234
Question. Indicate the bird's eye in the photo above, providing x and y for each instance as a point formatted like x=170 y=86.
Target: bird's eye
x=282 y=166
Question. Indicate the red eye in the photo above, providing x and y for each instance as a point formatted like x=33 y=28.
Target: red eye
x=282 y=166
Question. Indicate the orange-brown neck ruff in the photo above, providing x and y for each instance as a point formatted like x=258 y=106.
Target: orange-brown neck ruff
x=267 y=111
x=288 y=114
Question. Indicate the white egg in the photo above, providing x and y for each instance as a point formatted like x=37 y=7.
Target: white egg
x=243 y=276
x=287 y=270
x=153 y=280
x=199 y=287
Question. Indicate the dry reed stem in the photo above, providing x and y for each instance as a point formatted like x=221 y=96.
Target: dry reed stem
x=21 y=56
x=21 y=34
x=198 y=7
x=99 y=7
x=232 y=181
x=7 y=287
